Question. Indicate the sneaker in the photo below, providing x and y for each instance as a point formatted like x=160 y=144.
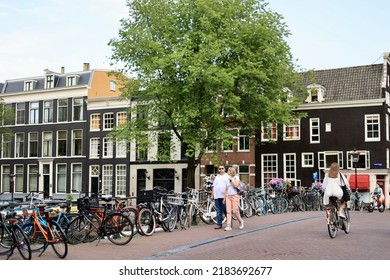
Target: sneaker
x=227 y=228
x=241 y=226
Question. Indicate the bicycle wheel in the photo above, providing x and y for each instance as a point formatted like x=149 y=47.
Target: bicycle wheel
x=22 y=242
x=132 y=214
x=6 y=240
x=36 y=238
x=332 y=226
x=172 y=217
x=347 y=221
x=247 y=209
x=183 y=217
x=146 y=222
x=262 y=206
x=93 y=225
x=58 y=243
x=164 y=217
x=213 y=214
x=255 y=206
x=191 y=215
x=118 y=228
x=281 y=205
x=205 y=213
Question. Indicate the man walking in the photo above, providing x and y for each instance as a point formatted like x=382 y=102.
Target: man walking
x=219 y=189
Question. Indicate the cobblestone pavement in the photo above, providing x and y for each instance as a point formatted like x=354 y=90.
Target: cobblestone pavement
x=289 y=236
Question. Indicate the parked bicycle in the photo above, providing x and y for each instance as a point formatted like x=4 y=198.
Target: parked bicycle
x=201 y=204
x=92 y=223
x=333 y=219
x=12 y=235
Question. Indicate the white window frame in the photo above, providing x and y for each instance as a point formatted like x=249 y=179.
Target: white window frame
x=265 y=128
x=314 y=127
x=120 y=180
x=290 y=166
x=370 y=121
x=366 y=160
x=292 y=132
x=47 y=144
x=269 y=167
x=95 y=122
x=108 y=121
x=94 y=147
x=306 y=158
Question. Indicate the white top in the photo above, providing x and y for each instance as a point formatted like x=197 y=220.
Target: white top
x=230 y=189
x=219 y=185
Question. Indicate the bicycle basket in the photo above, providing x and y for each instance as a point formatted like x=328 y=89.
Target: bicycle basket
x=87 y=203
x=146 y=196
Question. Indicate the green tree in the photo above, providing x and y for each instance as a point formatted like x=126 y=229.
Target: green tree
x=201 y=67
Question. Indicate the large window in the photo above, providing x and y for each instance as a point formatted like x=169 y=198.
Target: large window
x=77 y=142
x=107 y=179
x=61 y=178
x=363 y=161
x=62 y=110
x=315 y=130
x=62 y=139
x=289 y=166
x=164 y=146
x=94 y=148
x=121 y=118
x=34 y=112
x=108 y=121
x=121 y=149
x=33 y=177
x=49 y=81
x=33 y=144
x=292 y=132
x=95 y=122
x=325 y=159
x=77 y=177
x=47 y=144
x=19 y=145
x=20 y=113
x=5 y=178
x=108 y=147
x=6 y=147
x=269 y=163
x=372 y=125
x=48 y=111
x=121 y=180
x=269 y=132
x=307 y=159
x=19 y=178
x=243 y=141
x=78 y=109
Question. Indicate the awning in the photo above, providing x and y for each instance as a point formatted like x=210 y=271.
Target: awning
x=363 y=182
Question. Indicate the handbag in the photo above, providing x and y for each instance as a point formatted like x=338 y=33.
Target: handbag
x=346 y=191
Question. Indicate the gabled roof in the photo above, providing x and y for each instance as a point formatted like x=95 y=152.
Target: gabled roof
x=352 y=83
x=17 y=85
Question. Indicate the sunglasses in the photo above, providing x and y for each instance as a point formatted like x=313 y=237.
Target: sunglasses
x=221 y=168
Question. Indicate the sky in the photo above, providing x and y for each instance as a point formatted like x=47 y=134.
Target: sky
x=37 y=35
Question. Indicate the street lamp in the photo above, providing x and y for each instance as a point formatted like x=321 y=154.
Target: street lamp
x=355 y=159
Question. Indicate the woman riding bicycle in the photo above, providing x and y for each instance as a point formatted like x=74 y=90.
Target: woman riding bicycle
x=332 y=186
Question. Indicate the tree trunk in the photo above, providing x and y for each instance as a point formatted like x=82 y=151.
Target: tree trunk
x=192 y=164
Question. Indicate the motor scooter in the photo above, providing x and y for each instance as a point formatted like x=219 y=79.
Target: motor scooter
x=375 y=204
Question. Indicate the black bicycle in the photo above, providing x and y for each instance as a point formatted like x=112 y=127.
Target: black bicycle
x=334 y=221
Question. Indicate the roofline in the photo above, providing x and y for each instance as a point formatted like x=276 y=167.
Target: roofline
x=345 y=104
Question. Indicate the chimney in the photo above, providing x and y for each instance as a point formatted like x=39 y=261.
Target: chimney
x=86 y=67
x=62 y=70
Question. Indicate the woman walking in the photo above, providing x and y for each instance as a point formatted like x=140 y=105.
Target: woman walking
x=232 y=199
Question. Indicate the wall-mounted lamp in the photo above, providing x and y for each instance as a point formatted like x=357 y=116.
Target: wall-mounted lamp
x=147 y=175
x=176 y=175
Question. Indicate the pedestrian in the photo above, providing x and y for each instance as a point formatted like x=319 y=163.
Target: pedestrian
x=332 y=186
x=379 y=194
x=218 y=194
x=232 y=199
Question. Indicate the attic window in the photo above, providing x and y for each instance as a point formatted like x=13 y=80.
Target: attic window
x=316 y=93
x=112 y=85
x=50 y=81
x=29 y=85
x=72 y=80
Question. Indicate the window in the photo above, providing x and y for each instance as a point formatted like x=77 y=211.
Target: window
x=269 y=165
x=325 y=159
x=95 y=122
x=112 y=85
x=8 y=115
x=142 y=113
x=141 y=151
x=227 y=142
x=20 y=113
x=269 y=132
x=94 y=149
x=6 y=147
x=307 y=159
x=121 y=149
x=372 y=125
x=363 y=162
x=61 y=178
x=77 y=109
x=315 y=130
x=33 y=144
x=19 y=145
x=121 y=118
x=77 y=141
x=62 y=143
x=316 y=93
x=107 y=179
x=47 y=144
x=5 y=178
x=108 y=147
x=243 y=141
x=34 y=112
x=29 y=85
x=49 y=81
x=121 y=180
x=243 y=171
x=19 y=178
x=77 y=177
x=62 y=110
x=292 y=132
x=72 y=80
x=108 y=121
x=289 y=166
x=32 y=177
x=48 y=111
x=164 y=146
